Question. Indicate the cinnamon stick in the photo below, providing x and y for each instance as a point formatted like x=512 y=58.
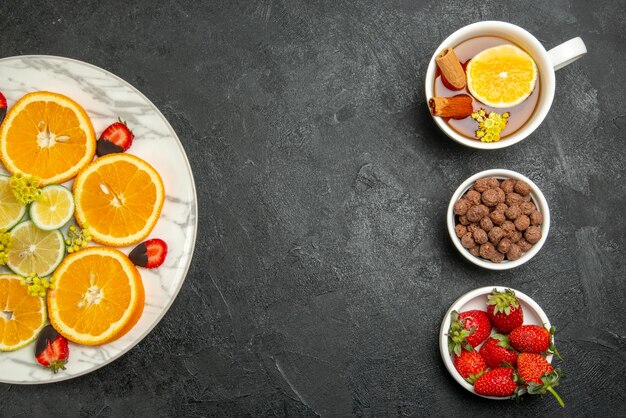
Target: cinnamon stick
x=457 y=107
x=451 y=68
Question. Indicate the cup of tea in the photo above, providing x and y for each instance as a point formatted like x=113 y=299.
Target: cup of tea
x=490 y=84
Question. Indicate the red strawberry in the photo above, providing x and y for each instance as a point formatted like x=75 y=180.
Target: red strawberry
x=470 y=365
x=538 y=375
x=3 y=107
x=467 y=330
x=52 y=350
x=115 y=138
x=496 y=382
x=533 y=339
x=504 y=310
x=149 y=254
x=497 y=351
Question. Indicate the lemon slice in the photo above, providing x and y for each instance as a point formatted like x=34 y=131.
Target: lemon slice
x=11 y=211
x=54 y=209
x=22 y=316
x=502 y=76
x=34 y=250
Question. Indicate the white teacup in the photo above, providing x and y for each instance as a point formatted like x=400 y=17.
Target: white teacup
x=547 y=63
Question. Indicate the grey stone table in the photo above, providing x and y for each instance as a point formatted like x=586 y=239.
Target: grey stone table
x=323 y=268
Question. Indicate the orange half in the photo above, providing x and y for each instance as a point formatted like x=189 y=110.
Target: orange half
x=98 y=296
x=120 y=197
x=47 y=135
x=22 y=316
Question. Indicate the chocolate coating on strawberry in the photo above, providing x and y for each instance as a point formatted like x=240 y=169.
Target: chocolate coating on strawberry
x=115 y=138
x=3 y=107
x=52 y=349
x=149 y=254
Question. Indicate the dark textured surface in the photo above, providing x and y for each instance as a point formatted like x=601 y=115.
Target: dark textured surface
x=323 y=267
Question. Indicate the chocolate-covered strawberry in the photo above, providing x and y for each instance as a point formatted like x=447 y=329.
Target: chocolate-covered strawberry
x=149 y=254
x=467 y=330
x=538 y=375
x=497 y=382
x=3 y=107
x=117 y=137
x=470 y=365
x=498 y=352
x=533 y=339
x=52 y=350
x=504 y=310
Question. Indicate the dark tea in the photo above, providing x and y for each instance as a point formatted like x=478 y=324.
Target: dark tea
x=518 y=114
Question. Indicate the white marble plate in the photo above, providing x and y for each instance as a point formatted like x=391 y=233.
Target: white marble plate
x=105 y=97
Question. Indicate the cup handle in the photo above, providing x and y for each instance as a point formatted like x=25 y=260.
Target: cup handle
x=567 y=52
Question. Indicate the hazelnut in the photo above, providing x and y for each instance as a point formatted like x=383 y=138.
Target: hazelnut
x=493 y=182
x=532 y=234
x=460 y=230
x=474 y=214
x=508 y=228
x=486 y=223
x=461 y=207
x=504 y=245
x=473 y=197
x=495 y=235
x=522 y=222
x=498 y=257
x=481 y=185
x=536 y=218
x=522 y=188
x=490 y=197
x=527 y=207
x=512 y=198
x=480 y=236
x=514 y=253
x=507 y=185
x=513 y=212
x=524 y=245
x=497 y=217
x=467 y=241
x=501 y=207
x=487 y=250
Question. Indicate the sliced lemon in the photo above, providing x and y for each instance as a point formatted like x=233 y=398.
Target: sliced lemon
x=34 y=250
x=54 y=209
x=11 y=211
x=502 y=76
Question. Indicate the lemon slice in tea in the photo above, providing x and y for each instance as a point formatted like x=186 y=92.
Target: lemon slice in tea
x=11 y=211
x=502 y=76
x=54 y=209
x=22 y=316
x=34 y=250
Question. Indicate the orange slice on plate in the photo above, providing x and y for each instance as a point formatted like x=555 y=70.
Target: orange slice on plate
x=22 y=316
x=47 y=135
x=119 y=197
x=502 y=76
x=98 y=296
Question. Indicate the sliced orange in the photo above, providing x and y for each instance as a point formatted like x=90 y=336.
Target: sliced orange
x=120 y=197
x=22 y=316
x=98 y=296
x=47 y=135
x=502 y=76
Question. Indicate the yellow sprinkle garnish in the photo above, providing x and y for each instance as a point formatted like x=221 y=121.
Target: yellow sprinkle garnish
x=5 y=243
x=25 y=188
x=490 y=126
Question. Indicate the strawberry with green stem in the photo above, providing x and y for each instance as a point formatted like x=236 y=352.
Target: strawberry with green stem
x=467 y=330
x=500 y=382
x=538 y=375
x=534 y=339
x=498 y=352
x=470 y=365
x=504 y=310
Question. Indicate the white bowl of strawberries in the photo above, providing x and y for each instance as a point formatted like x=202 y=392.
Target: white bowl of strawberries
x=498 y=343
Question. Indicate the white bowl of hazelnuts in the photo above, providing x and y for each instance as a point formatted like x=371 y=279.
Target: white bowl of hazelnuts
x=498 y=219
